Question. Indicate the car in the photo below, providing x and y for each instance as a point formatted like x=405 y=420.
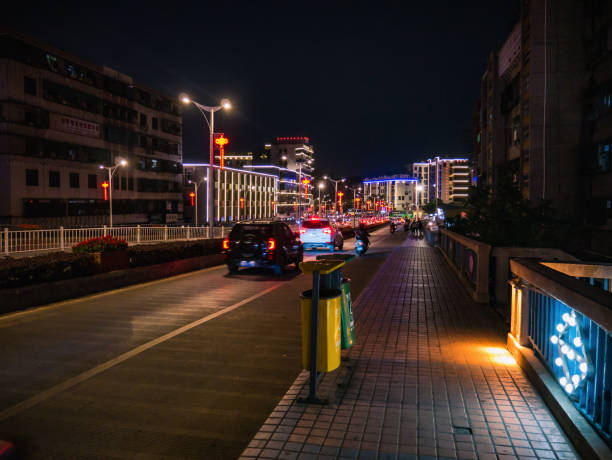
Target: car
x=269 y=244
x=318 y=233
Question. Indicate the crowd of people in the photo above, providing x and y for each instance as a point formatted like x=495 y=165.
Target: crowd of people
x=414 y=226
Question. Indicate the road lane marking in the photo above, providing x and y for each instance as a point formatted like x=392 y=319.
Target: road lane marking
x=17 y=314
x=66 y=384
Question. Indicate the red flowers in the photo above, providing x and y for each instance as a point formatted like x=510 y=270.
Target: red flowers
x=100 y=244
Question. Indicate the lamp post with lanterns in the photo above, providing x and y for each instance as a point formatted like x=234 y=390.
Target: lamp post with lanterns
x=196 y=186
x=111 y=171
x=335 y=190
x=225 y=104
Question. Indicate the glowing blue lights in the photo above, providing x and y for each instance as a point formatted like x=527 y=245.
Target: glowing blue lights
x=572 y=353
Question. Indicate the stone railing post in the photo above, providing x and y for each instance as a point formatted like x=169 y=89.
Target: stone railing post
x=6 y=241
x=519 y=314
x=62 y=241
x=138 y=234
x=165 y=233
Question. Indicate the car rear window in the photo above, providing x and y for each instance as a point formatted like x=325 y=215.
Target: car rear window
x=316 y=224
x=240 y=230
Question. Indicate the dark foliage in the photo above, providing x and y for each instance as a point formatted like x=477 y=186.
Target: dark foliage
x=41 y=269
x=151 y=254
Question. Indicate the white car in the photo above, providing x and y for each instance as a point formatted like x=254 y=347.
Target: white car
x=320 y=233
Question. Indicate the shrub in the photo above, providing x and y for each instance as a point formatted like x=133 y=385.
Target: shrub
x=17 y=272
x=100 y=244
x=151 y=254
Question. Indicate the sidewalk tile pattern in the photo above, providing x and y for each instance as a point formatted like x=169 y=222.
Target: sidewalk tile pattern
x=432 y=380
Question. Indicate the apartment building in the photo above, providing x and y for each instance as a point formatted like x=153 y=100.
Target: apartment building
x=291 y=159
x=60 y=119
x=398 y=193
x=446 y=180
x=546 y=111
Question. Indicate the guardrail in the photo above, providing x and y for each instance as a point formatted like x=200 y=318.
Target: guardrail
x=470 y=259
x=61 y=239
x=567 y=323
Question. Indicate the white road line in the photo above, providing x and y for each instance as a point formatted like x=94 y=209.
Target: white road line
x=54 y=390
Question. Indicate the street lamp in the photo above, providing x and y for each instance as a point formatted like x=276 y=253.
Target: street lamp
x=336 y=190
x=225 y=104
x=111 y=171
x=196 y=186
x=354 y=190
x=321 y=186
x=419 y=188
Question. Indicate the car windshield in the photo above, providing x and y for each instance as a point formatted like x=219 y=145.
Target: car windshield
x=316 y=224
x=259 y=230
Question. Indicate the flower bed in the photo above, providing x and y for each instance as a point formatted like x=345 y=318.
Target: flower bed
x=100 y=244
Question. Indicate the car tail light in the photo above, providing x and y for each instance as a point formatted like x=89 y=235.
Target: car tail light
x=302 y=231
x=271 y=244
x=327 y=230
x=226 y=243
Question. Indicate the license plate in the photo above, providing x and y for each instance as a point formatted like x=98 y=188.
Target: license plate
x=247 y=263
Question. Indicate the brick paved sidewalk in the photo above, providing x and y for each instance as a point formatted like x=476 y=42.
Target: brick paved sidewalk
x=432 y=380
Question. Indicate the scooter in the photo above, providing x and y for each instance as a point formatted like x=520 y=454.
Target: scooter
x=360 y=247
x=392 y=228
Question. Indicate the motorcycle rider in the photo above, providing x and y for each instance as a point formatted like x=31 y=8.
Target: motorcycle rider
x=393 y=226
x=362 y=234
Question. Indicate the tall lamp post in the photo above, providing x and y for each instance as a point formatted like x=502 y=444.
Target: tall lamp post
x=354 y=190
x=196 y=186
x=225 y=104
x=336 y=191
x=419 y=188
x=321 y=185
x=111 y=171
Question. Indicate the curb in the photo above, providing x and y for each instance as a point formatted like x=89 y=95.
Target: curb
x=585 y=439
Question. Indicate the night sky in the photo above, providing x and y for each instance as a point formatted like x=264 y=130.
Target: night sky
x=375 y=87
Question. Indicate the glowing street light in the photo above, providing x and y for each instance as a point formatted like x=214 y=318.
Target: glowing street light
x=195 y=194
x=109 y=185
x=336 y=190
x=225 y=104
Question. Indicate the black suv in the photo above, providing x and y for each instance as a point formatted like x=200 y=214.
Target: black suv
x=262 y=244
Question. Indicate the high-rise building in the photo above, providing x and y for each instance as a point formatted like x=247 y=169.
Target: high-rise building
x=443 y=179
x=546 y=111
x=292 y=160
x=60 y=119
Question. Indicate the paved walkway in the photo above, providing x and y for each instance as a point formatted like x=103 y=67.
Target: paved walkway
x=432 y=380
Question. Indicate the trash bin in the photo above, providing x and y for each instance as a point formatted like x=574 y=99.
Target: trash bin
x=347 y=323
x=335 y=280
x=328 y=336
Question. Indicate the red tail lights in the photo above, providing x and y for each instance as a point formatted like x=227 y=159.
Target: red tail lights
x=226 y=243
x=302 y=231
x=271 y=244
x=327 y=230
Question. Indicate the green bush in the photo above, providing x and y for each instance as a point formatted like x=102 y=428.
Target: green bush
x=44 y=268
x=151 y=254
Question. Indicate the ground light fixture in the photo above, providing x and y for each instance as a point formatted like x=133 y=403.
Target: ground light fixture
x=573 y=357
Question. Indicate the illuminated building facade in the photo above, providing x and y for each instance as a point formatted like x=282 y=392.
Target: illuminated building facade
x=60 y=118
x=398 y=193
x=239 y=194
x=444 y=179
x=292 y=160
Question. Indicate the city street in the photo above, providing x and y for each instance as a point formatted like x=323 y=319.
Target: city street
x=189 y=367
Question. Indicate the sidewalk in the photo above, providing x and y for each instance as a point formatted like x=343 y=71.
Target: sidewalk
x=432 y=379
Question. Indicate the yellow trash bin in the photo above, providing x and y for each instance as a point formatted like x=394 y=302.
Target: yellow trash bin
x=328 y=336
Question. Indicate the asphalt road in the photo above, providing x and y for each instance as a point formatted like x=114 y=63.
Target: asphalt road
x=187 y=367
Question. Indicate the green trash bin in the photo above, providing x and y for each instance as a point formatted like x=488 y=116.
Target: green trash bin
x=347 y=323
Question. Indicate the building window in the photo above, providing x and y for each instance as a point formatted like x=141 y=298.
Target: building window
x=143 y=121
x=29 y=86
x=154 y=123
x=32 y=177
x=130 y=183
x=603 y=157
x=123 y=183
x=74 y=180
x=54 y=179
x=92 y=181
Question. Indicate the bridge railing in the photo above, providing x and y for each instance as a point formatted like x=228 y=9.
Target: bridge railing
x=567 y=323
x=62 y=239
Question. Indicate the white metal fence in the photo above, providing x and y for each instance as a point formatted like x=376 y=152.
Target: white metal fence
x=62 y=239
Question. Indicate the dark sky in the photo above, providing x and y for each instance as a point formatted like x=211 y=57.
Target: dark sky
x=375 y=87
